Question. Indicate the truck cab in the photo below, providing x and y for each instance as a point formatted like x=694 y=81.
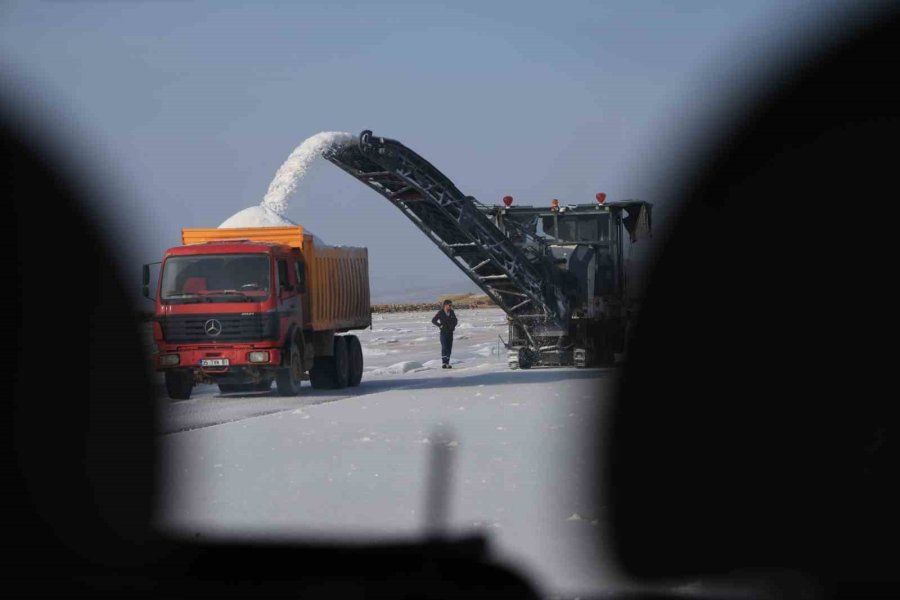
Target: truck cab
x=238 y=313
x=223 y=309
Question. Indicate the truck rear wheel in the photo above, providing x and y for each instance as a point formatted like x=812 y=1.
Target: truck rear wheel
x=354 y=349
x=179 y=384
x=289 y=379
x=321 y=376
x=341 y=362
x=332 y=372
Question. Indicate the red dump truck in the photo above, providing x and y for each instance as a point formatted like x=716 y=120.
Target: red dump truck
x=244 y=307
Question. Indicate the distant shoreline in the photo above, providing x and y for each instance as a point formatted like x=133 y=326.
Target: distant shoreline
x=460 y=301
x=423 y=306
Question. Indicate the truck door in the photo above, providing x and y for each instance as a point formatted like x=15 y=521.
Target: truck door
x=288 y=294
x=300 y=275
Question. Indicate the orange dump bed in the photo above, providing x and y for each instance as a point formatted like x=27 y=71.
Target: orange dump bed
x=337 y=277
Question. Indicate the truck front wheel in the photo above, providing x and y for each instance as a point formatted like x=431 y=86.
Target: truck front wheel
x=179 y=384
x=288 y=379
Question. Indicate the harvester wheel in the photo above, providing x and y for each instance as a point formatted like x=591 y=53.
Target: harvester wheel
x=524 y=359
x=179 y=384
x=341 y=362
x=606 y=356
x=289 y=379
x=354 y=349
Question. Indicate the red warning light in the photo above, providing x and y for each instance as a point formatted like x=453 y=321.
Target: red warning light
x=507 y=200
x=601 y=197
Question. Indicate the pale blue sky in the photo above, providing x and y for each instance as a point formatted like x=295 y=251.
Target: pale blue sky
x=185 y=110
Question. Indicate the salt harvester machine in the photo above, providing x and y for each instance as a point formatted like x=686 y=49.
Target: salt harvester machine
x=557 y=271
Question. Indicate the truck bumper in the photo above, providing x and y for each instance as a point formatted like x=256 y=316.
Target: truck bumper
x=238 y=359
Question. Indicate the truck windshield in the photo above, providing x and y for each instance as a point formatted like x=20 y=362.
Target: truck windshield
x=216 y=278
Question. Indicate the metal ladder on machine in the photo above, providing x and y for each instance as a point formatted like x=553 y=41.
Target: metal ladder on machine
x=518 y=279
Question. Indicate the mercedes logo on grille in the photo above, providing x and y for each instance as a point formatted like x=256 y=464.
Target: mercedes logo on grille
x=212 y=327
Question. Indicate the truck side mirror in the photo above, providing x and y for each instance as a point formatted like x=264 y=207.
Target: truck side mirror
x=145 y=272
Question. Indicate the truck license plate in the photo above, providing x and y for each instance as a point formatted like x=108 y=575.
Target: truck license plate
x=213 y=362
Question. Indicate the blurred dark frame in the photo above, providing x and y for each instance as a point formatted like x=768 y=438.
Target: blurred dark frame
x=754 y=432
x=754 y=436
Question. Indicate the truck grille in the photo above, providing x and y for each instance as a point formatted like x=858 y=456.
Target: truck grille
x=234 y=328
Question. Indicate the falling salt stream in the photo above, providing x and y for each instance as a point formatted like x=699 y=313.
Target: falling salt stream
x=273 y=208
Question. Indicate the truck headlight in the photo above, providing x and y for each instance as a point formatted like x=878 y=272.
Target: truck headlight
x=259 y=357
x=169 y=360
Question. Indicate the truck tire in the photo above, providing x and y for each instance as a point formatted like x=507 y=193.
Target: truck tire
x=179 y=384
x=341 y=362
x=354 y=349
x=321 y=376
x=289 y=379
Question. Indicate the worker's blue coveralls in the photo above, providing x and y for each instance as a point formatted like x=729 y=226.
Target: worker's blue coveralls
x=447 y=322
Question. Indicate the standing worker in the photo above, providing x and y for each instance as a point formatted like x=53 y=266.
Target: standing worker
x=446 y=320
